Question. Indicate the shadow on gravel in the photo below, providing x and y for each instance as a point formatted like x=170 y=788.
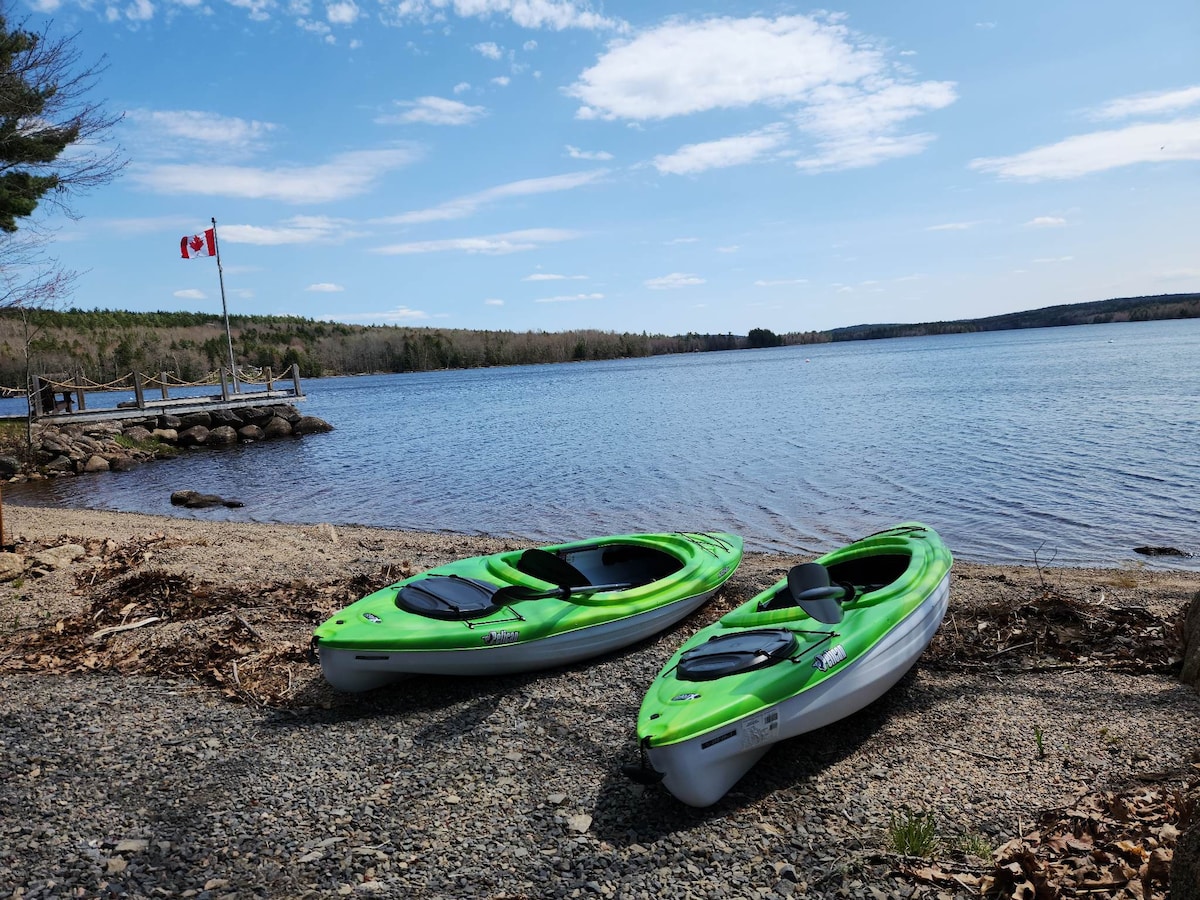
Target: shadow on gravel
x=627 y=813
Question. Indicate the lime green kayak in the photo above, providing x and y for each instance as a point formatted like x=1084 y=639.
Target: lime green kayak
x=525 y=609
x=817 y=646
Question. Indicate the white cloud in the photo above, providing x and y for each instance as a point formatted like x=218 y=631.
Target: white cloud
x=488 y=49
x=346 y=175
x=547 y=276
x=1046 y=222
x=494 y=244
x=399 y=314
x=952 y=226
x=732 y=151
x=492 y=301
x=501 y=80
x=296 y=230
x=433 y=111
x=674 y=280
x=779 y=282
x=731 y=248
x=1100 y=151
x=1054 y=259
x=182 y=129
x=467 y=205
x=190 y=294
x=325 y=287
x=529 y=45
x=344 y=12
x=682 y=240
x=576 y=153
x=556 y=15
x=462 y=86
x=569 y=298
x=1149 y=104
x=847 y=98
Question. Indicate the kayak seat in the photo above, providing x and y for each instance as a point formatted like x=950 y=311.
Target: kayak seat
x=449 y=597
x=547 y=566
x=733 y=654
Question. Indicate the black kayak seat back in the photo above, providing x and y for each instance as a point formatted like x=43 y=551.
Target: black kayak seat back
x=736 y=654
x=448 y=597
x=547 y=566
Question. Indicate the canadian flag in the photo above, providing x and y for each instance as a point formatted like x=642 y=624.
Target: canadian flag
x=195 y=245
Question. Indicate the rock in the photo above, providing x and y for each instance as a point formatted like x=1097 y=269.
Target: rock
x=12 y=565
x=122 y=463
x=250 y=433
x=311 y=425
x=138 y=433
x=59 y=464
x=196 y=500
x=169 y=435
x=222 y=435
x=169 y=422
x=1190 y=632
x=96 y=463
x=191 y=420
x=225 y=417
x=9 y=466
x=193 y=436
x=57 y=557
x=1185 y=866
x=277 y=427
x=1160 y=551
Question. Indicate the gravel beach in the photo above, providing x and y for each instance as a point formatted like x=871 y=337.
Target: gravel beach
x=201 y=754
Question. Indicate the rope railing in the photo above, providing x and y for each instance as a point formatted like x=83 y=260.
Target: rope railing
x=46 y=389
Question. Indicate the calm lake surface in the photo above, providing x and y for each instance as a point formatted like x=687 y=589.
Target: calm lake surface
x=1077 y=444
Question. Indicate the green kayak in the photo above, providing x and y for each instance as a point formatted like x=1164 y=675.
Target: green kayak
x=815 y=647
x=525 y=609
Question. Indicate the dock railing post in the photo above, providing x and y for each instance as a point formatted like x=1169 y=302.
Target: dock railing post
x=39 y=396
x=139 y=394
x=80 y=402
x=295 y=379
x=162 y=384
x=224 y=385
x=270 y=379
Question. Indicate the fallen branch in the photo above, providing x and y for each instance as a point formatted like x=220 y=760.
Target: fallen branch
x=104 y=632
x=250 y=628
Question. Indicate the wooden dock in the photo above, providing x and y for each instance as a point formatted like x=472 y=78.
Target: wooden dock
x=58 y=402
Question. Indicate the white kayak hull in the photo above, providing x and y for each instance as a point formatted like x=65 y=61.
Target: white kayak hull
x=702 y=769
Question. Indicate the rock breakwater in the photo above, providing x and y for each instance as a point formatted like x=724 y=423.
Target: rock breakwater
x=75 y=449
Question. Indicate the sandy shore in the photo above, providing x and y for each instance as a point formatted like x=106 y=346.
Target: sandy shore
x=203 y=753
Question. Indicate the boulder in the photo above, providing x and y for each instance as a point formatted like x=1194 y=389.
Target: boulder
x=138 y=433
x=190 y=437
x=170 y=435
x=225 y=417
x=57 y=557
x=166 y=421
x=310 y=425
x=59 y=464
x=250 y=433
x=277 y=427
x=9 y=466
x=191 y=420
x=196 y=500
x=222 y=435
x=1190 y=632
x=12 y=565
x=122 y=463
x=96 y=463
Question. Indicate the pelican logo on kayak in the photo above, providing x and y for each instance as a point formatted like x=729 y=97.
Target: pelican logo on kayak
x=492 y=638
x=830 y=658
x=371 y=617
x=680 y=697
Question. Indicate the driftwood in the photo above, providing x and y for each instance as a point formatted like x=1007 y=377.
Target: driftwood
x=113 y=629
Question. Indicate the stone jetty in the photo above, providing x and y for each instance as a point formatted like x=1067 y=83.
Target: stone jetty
x=102 y=446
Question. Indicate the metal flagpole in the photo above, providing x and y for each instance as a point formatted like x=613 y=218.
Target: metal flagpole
x=225 y=309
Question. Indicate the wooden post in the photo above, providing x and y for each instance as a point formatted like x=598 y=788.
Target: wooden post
x=296 y=379
x=270 y=379
x=224 y=386
x=80 y=403
x=39 y=396
x=138 y=393
x=162 y=383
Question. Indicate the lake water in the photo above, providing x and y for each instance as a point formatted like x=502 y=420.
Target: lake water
x=1077 y=444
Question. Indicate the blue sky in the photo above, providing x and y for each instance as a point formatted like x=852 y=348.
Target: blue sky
x=654 y=166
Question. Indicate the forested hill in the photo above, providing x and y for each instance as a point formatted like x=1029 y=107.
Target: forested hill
x=105 y=345
x=1128 y=309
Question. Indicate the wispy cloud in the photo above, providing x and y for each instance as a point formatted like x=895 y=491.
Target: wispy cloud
x=489 y=50
x=576 y=153
x=779 y=282
x=1046 y=222
x=325 y=287
x=1149 y=104
x=1053 y=259
x=399 y=314
x=190 y=294
x=494 y=244
x=346 y=175
x=569 y=298
x=731 y=151
x=952 y=226
x=554 y=15
x=296 y=230
x=674 y=280
x=547 y=276
x=493 y=301
x=177 y=132
x=432 y=111
x=467 y=205
x=1086 y=154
